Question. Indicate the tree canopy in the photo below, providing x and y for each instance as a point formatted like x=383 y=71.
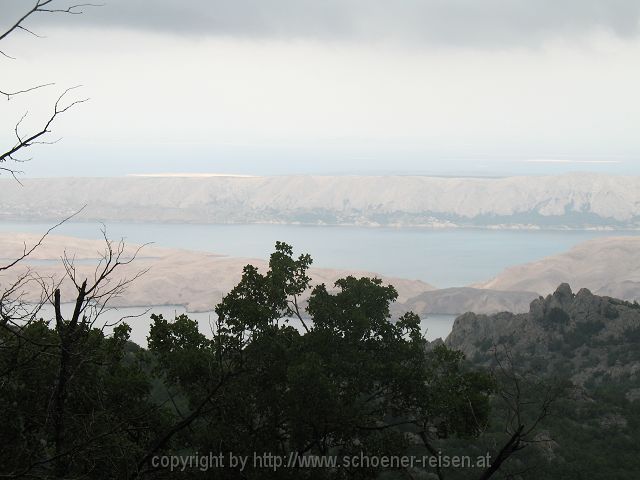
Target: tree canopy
x=350 y=382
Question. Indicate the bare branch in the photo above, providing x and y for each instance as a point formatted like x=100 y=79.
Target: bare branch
x=26 y=141
x=72 y=10
x=28 y=251
x=296 y=311
x=7 y=55
x=25 y=29
x=102 y=289
x=520 y=394
x=10 y=95
x=44 y=6
x=39 y=6
x=22 y=19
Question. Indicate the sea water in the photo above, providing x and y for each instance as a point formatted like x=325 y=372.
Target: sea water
x=442 y=257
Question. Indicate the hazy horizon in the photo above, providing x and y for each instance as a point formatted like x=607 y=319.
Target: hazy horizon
x=459 y=169
x=345 y=87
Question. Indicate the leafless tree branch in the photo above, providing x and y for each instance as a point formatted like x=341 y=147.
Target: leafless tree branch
x=10 y=95
x=45 y=6
x=26 y=141
x=7 y=55
x=29 y=250
x=525 y=411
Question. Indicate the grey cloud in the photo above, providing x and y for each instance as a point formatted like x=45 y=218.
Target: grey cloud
x=446 y=22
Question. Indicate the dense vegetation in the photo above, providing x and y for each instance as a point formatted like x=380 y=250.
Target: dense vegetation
x=77 y=402
x=550 y=394
x=351 y=383
x=592 y=344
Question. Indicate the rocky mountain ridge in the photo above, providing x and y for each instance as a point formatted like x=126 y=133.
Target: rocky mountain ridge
x=574 y=358
x=580 y=334
x=571 y=201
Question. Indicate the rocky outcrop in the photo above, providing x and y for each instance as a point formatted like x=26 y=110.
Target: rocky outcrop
x=585 y=334
x=574 y=357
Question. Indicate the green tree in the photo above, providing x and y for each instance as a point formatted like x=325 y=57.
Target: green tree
x=353 y=382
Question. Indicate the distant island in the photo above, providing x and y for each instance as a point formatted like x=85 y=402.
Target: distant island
x=572 y=201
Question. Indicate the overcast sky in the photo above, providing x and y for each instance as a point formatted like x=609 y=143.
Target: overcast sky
x=334 y=86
